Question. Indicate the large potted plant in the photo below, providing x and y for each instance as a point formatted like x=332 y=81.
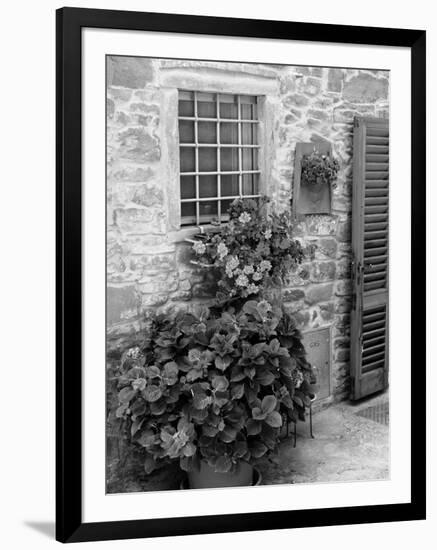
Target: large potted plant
x=211 y=387
x=211 y=390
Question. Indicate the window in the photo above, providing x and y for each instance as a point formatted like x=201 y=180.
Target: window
x=218 y=140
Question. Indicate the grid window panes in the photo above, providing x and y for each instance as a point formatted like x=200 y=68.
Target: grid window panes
x=218 y=138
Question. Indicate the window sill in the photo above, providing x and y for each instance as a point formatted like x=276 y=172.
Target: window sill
x=191 y=231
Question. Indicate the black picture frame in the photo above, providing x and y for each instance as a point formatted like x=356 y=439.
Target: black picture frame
x=69 y=525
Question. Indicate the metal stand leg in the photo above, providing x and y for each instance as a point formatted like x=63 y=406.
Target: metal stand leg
x=311 y=421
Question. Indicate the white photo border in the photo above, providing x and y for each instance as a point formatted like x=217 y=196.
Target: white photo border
x=101 y=507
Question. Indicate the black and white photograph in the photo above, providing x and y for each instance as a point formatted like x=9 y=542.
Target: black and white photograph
x=217 y=275
x=247 y=274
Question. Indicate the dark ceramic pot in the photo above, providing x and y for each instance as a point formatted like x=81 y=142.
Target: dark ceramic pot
x=206 y=477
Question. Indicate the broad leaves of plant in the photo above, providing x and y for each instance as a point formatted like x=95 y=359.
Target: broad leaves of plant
x=152 y=393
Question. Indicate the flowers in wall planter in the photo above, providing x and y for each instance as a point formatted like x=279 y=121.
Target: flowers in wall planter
x=319 y=169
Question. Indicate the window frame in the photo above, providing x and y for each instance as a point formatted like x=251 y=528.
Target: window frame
x=240 y=146
x=206 y=79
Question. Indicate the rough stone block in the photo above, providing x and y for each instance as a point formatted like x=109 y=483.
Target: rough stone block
x=341 y=343
x=158 y=283
x=139 y=145
x=316 y=71
x=292 y=294
x=326 y=248
x=327 y=311
x=365 y=88
x=153 y=300
x=122 y=303
x=342 y=355
x=344 y=231
x=319 y=114
x=343 y=288
x=335 y=80
x=145 y=108
x=320 y=224
x=312 y=86
x=139 y=220
x=300 y=277
x=131 y=72
x=133 y=174
x=181 y=296
x=344 y=269
x=343 y=305
x=148 y=195
x=323 y=271
x=319 y=293
x=287 y=84
x=295 y=100
x=120 y=94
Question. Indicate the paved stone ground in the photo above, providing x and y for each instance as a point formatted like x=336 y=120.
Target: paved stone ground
x=346 y=447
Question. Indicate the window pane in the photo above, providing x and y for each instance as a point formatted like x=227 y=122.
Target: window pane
x=186 y=108
x=186 y=131
x=188 y=187
x=188 y=210
x=250 y=159
x=186 y=104
x=225 y=206
x=250 y=184
x=207 y=132
x=187 y=157
x=228 y=106
x=206 y=105
x=229 y=185
x=249 y=134
x=208 y=210
x=229 y=159
x=207 y=159
x=208 y=186
x=248 y=111
x=229 y=132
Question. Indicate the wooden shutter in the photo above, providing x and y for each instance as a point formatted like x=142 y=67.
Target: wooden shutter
x=370 y=246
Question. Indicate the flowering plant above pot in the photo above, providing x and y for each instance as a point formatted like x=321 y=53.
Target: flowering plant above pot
x=318 y=169
x=253 y=250
x=214 y=387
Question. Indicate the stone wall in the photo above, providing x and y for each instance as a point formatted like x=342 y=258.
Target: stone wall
x=148 y=267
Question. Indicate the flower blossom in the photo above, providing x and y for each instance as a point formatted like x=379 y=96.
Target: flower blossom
x=268 y=233
x=265 y=265
x=298 y=378
x=222 y=250
x=231 y=265
x=252 y=289
x=244 y=218
x=134 y=353
x=248 y=269
x=139 y=384
x=257 y=276
x=242 y=280
x=199 y=247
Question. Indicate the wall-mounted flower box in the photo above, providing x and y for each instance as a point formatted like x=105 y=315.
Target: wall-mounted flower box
x=314 y=172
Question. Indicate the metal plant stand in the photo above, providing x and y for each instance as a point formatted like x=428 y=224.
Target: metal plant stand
x=295 y=424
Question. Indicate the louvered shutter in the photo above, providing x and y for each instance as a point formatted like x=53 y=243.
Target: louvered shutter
x=370 y=246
